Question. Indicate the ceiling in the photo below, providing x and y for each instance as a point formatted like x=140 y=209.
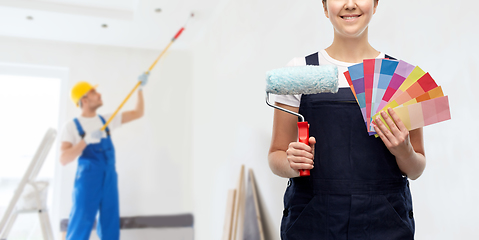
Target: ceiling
x=148 y=24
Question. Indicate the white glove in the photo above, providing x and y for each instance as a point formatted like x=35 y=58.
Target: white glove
x=143 y=78
x=93 y=137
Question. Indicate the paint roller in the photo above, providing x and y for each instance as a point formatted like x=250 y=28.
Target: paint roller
x=301 y=80
x=147 y=72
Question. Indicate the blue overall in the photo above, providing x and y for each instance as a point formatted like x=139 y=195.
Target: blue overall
x=95 y=191
x=355 y=190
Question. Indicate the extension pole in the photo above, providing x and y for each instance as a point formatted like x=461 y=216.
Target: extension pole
x=147 y=72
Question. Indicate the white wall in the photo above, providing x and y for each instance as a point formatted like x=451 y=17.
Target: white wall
x=153 y=153
x=232 y=124
x=206 y=113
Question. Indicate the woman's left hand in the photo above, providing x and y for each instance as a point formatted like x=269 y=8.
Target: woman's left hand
x=396 y=139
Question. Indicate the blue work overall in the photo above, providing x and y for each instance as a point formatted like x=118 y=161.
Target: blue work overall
x=355 y=190
x=95 y=191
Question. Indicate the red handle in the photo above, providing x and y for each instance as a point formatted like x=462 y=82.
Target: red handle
x=178 y=34
x=303 y=136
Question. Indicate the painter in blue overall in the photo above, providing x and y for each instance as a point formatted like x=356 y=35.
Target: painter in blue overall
x=96 y=182
x=356 y=189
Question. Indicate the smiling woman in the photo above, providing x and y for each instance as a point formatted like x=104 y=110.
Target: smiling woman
x=358 y=187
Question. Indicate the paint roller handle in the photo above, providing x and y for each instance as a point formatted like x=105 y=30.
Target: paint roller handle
x=121 y=105
x=178 y=34
x=166 y=48
x=303 y=137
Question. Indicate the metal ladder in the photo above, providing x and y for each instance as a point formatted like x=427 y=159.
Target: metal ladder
x=10 y=215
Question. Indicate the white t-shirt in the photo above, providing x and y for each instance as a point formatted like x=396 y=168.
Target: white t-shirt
x=324 y=59
x=70 y=132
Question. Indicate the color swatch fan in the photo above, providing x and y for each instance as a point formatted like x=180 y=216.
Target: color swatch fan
x=379 y=84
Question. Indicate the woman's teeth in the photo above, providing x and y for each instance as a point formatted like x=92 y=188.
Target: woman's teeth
x=353 y=17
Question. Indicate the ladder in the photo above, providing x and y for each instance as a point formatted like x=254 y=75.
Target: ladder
x=34 y=198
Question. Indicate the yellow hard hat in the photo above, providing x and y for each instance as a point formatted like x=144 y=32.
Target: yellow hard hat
x=79 y=90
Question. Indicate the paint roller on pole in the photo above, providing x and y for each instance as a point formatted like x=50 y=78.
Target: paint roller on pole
x=301 y=80
x=147 y=72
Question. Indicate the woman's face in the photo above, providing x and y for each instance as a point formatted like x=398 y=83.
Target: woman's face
x=350 y=18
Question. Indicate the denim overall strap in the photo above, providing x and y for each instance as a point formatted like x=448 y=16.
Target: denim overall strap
x=79 y=127
x=106 y=129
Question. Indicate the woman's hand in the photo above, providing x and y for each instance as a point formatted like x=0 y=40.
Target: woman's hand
x=406 y=146
x=301 y=156
x=396 y=138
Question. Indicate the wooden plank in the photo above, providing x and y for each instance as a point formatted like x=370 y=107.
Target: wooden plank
x=256 y=204
x=238 y=204
x=230 y=204
x=253 y=229
x=241 y=212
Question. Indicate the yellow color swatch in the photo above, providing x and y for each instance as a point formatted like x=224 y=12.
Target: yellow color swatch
x=412 y=78
x=403 y=114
